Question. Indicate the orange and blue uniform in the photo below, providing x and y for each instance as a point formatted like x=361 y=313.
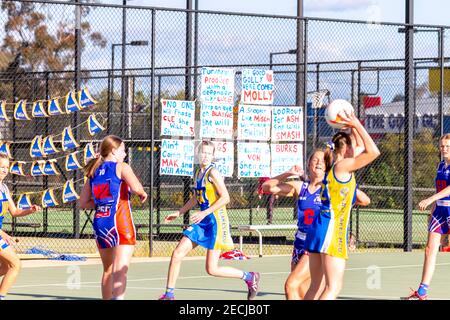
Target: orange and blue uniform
x=440 y=218
x=213 y=232
x=329 y=231
x=113 y=221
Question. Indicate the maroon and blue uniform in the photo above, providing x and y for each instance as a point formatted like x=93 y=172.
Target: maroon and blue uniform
x=113 y=222
x=308 y=207
x=440 y=218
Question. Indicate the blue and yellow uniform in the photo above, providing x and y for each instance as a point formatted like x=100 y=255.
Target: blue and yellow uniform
x=329 y=231
x=308 y=207
x=4 y=192
x=440 y=218
x=113 y=221
x=213 y=232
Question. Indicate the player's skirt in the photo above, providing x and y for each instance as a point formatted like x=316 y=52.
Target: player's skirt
x=328 y=235
x=113 y=228
x=213 y=232
x=440 y=218
x=3 y=244
x=299 y=247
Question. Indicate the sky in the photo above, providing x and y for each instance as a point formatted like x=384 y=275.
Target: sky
x=425 y=11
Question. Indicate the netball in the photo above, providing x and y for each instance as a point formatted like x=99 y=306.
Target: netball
x=332 y=112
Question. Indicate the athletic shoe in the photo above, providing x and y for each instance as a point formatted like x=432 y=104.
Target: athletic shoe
x=164 y=297
x=415 y=296
x=253 y=286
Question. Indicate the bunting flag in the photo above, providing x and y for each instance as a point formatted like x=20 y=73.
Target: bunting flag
x=38 y=109
x=68 y=140
x=36 y=147
x=3 y=111
x=37 y=168
x=20 y=110
x=85 y=99
x=17 y=168
x=50 y=168
x=69 y=193
x=53 y=107
x=24 y=201
x=94 y=126
x=48 y=146
x=4 y=149
x=71 y=102
x=88 y=152
x=48 y=199
x=72 y=162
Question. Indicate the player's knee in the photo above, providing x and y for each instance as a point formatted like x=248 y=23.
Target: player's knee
x=290 y=285
x=15 y=265
x=178 y=254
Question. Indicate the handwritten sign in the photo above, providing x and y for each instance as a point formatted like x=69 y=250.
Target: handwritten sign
x=217 y=85
x=254 y=122
x=177 y=118
x=177 y=157
x=216 y=121
x=285 y=156
x=257 y=86
x=224 y=158
x=253 y=160
x=287 y=124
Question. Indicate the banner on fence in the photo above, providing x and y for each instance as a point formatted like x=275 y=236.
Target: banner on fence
x=217 y=85
x=285 y=156
x=253 y=160
x=177 y=157
x=287 y=124
x=216 y=121
x=254 y=122
x=224 y=157
x=177 y=118
x=257 y=86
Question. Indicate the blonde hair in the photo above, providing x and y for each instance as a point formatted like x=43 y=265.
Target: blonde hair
x=206 y=143
x=106 y=146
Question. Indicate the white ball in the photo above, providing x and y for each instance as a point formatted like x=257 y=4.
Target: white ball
x=332 y=110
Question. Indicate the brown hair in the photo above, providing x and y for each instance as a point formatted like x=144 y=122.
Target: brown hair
x=444 y=137
x=106 y=146
x=206 y=143
x=338 y=141
x=305 y=176
x=4 y=156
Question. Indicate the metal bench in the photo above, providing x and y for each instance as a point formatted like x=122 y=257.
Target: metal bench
x=258 y=227
x=33 y=225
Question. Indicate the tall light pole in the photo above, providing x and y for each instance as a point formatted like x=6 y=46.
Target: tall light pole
x=271 y=54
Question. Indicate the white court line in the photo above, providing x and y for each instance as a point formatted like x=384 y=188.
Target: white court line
x=208 y=276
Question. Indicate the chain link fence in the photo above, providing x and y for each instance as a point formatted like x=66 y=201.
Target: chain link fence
x=50 y=49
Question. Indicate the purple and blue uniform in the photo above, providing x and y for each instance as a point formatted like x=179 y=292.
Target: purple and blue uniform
x=440 y=218
x=4 y=193
x=113 y=222
x=308 y=207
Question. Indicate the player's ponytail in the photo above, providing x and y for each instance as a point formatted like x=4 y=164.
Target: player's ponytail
x=334 y=146
x=106 y=146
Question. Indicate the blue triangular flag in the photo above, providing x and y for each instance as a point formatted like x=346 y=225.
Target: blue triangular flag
x=94 y=126
x=71 y=102
x=69 y=193
x=48 y=146
x=54 y=108
x=88 y=152
x=36 y=147
x=38 y=109
x=37 y=168
x=72 y=162
x=50 y=169
x=85 y=99
x=17 y=168
x=3 y=115
x=4 y=149
x=24 y=202
x=68 y=140
x=48 y=199
x=20 y=110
